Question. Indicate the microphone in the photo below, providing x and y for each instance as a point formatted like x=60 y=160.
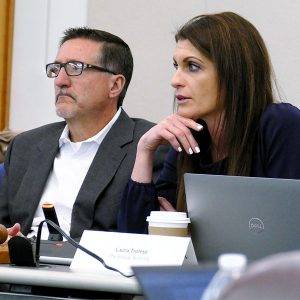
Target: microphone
x=19 y=245
x=21 y=252
x=50 y=214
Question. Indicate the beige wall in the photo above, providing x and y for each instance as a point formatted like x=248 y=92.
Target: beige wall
x=38 y=26
x=148 y=26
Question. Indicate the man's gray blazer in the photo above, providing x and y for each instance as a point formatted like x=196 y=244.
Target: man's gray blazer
x=29 y=161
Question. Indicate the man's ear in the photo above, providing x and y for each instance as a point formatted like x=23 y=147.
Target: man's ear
x=118 y=83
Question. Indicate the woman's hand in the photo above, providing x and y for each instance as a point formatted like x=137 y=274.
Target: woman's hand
x=165 y=205
x=175 y=130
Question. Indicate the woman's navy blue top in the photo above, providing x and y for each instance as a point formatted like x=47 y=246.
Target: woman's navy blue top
x=276 y=154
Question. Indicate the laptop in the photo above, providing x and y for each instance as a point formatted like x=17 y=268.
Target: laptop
x=173 y=282
x=250 y=215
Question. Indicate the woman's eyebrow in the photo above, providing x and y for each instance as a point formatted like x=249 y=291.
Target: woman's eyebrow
x=194 y=58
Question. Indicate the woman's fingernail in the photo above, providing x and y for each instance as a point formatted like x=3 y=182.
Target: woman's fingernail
x=199 y=127
x=190 y=151
x=197 y=149
x=179 y=149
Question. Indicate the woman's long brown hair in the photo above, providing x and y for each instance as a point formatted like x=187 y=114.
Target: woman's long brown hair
x=245 y=86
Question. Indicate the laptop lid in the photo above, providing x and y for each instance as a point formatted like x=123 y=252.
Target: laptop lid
x=173 y=282
x=250 y=215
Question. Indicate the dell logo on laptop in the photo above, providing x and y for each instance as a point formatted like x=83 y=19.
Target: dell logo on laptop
x=256 y=225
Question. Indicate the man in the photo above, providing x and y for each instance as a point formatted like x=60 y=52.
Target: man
x=83 y=164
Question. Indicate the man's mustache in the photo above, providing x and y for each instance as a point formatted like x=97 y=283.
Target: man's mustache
x=62 y=93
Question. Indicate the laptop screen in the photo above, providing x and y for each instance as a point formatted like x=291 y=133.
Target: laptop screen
x=250 y=215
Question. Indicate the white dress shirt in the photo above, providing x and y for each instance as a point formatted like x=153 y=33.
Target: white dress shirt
x=70 y=167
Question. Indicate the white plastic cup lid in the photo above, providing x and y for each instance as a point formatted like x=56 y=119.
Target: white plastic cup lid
x=168 y=216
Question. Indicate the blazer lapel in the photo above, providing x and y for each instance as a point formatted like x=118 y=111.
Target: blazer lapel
x=37 y=174
x=104 y=166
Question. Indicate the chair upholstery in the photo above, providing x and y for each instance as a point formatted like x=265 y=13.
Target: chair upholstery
x=1 y=172
x=5 y=137
x=274 y=277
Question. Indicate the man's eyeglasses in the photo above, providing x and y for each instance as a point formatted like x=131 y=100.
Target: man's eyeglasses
x=72 y=68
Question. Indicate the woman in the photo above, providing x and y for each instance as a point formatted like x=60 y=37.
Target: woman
x=227 y=119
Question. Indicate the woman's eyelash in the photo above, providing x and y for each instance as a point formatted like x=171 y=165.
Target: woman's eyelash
x=193 y=66
x=190 y=65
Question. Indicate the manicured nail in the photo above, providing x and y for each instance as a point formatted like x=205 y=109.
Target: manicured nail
x=199 y=127
x=197 y=149
x=190 y=151
x=179 y=149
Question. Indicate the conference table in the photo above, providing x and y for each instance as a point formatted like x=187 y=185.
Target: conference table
x=26 y=279
x=85 y=280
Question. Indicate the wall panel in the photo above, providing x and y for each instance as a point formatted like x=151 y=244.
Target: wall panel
x=6 y=34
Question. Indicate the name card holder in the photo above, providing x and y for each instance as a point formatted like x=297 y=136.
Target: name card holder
x=124 y=250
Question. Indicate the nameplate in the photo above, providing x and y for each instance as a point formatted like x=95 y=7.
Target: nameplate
x=124 y=250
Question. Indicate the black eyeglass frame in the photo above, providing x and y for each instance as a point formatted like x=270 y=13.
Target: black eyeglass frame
x=84 y=66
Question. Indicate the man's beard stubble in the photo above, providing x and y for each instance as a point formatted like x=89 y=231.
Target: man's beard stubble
x=64 y=112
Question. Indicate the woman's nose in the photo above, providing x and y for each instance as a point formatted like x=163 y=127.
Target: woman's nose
x=177 y=79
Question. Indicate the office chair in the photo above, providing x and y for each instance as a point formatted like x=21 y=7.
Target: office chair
x=1 y=172
x=275 y=277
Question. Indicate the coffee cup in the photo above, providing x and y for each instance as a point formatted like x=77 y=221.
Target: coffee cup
x=168 y=223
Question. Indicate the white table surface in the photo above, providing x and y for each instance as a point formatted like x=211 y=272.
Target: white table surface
x=63 y=277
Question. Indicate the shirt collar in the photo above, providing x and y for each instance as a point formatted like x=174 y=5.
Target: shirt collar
x=98 y=138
